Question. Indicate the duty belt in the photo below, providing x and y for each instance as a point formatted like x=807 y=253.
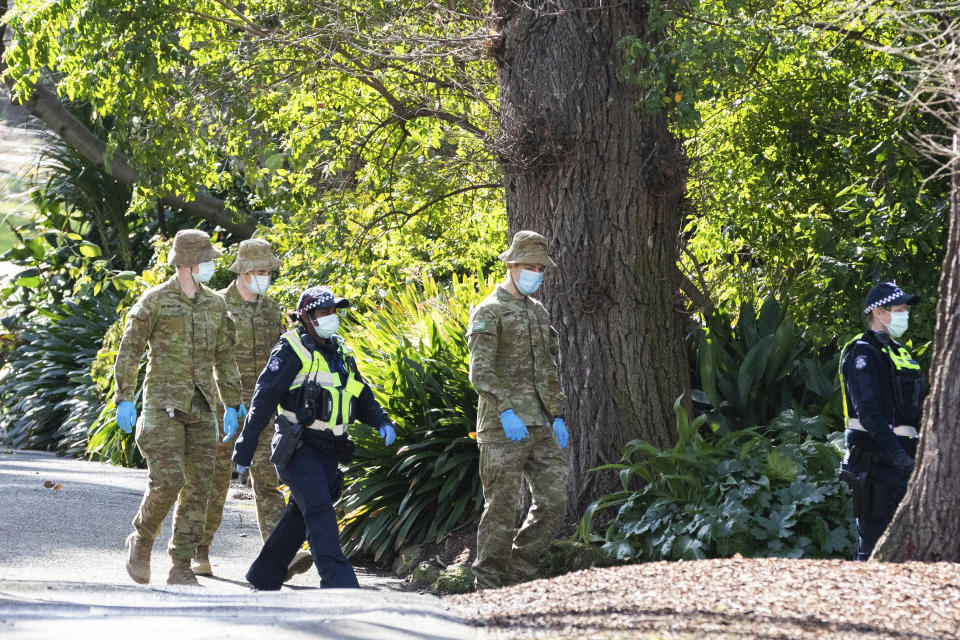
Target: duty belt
x=317 y=425
x=905 y=430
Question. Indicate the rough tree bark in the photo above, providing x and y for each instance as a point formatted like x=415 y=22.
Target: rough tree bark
x=603 y=181
x=927 y=524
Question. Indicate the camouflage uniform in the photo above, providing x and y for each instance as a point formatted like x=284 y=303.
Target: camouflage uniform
x=258 y=327
x=513 y=365
x=176 y=432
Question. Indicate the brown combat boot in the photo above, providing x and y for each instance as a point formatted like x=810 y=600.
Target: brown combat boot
x=180 y=573
x=138 y=558
x=201 y=562
x=301 y=563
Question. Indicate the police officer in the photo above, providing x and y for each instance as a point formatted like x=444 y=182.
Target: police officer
x=883 y=392
x=258 y=324
x=186 y=326
x=520 y=426
x=315 y=382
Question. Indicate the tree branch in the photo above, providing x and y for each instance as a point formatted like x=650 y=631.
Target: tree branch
x=44 y=104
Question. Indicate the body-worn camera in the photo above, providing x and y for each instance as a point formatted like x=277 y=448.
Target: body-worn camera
x=315 y=403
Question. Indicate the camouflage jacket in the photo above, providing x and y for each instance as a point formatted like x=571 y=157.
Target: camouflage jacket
x=513 y=362
x=258 y=326
x=187 y=339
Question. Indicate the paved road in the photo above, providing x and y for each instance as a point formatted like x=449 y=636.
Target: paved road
x=62 y=573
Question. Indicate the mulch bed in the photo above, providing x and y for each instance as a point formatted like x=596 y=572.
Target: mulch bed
x=736 y=599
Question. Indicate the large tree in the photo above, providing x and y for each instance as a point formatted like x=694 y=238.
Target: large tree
x=603 y=180
x=927 y=523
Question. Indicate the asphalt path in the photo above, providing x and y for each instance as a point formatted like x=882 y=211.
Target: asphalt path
x=63 y=523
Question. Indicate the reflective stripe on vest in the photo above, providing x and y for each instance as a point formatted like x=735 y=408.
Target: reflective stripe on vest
x=313 y=366
x=902 y=358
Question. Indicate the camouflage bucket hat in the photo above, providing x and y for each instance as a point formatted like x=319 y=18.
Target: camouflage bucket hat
x=190 y=247
x=255 y=255
x=528 y=247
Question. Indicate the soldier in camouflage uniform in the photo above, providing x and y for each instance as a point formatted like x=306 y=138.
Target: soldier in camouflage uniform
x=520 y=427
x=189 y=333
x=258 y=323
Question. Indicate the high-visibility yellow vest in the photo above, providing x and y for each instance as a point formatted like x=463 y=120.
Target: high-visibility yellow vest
x=342 y=389
x=901 y=358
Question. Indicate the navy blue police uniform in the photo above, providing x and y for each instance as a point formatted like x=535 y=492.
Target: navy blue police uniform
x=883 y=391
x=312 y=472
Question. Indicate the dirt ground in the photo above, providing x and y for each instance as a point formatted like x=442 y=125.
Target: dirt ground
x=732 y=599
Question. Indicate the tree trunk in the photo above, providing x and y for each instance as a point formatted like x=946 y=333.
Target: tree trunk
x=603 y=181
x=927 y=524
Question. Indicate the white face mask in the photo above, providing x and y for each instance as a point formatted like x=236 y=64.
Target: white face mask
x=326 y=326
x=258 y=285
x=899 y=321
x=204 y=271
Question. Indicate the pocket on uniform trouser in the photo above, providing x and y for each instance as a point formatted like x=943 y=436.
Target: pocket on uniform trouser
x=336 y=489
x=885 y=499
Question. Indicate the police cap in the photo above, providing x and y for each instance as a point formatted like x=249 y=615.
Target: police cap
x=887 y=294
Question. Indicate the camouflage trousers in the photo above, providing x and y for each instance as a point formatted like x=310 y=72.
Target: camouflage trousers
x=270 y=501
x=504 y=554
x=180 y=451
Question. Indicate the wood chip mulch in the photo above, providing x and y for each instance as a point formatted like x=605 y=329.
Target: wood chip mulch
x=736 y=599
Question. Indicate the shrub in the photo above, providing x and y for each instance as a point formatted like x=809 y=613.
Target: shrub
x=750 y=369
x=719 y=495
x=413 y=352
x=48 y=396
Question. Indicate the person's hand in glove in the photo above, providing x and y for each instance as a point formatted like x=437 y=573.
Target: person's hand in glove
x=513 y=426
x=231 y=423
x=242 y=411
x=560 y=430
x=388 y=433
x=904 y=464
x=126 y=416
x=241 y=469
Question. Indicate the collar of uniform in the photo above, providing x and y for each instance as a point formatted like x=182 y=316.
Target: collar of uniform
x=882 y=338
x=505 y=296
x=232 y=294
x=173 y=285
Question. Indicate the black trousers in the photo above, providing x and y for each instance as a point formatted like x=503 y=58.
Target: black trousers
x=311 y=476
x=888 y=488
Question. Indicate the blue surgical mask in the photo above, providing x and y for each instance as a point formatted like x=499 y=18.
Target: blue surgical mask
x=258 y=285
x=899 y=321
x=326 y=326
x=528 y=281
x=204 y=271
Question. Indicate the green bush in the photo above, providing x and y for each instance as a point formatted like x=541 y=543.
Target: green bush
x=750 y=369
x=47 y=394
x=413 y=352
x=720 y=495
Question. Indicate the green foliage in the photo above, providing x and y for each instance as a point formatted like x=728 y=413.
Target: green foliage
x=47 y=396
x=359 y=132
x=757 y=366
x=414 y=354
x=806 y=181
x=716 y=496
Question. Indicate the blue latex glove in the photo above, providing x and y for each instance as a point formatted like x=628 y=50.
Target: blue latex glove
x=560 y=430
x=241 y=469
x=513 y=426
x=242 y=411
x=126 y=416
x=231 y=423
x=388 y=434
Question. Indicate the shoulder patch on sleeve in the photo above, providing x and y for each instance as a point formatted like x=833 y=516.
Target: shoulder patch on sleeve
x=860 y=362
x=479 y=325
x=273 y=364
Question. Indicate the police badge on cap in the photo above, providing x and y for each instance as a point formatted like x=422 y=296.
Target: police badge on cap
x=887 y=294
